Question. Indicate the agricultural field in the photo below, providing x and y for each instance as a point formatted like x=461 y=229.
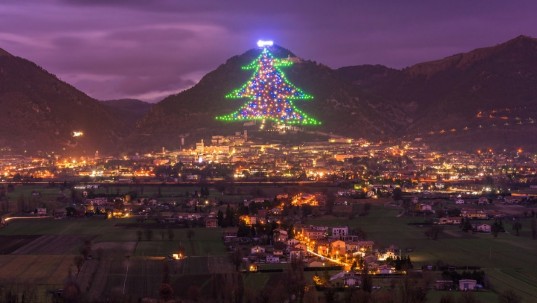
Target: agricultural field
x=508 y=260
x=41 y=253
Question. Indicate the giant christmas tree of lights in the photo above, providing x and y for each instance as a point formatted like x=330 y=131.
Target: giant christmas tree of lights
x=270 y=94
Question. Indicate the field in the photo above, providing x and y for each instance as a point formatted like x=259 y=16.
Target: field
x=508 y=260
x=41 y=253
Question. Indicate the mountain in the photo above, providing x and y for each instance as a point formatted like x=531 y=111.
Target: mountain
x=342 y=108
x=131 y=110
x=41 y=113
x=485 y=97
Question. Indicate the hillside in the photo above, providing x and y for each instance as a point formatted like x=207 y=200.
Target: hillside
x=40 y=112
x=342 y=108
x=487 y=96
x=483 y=98
x=130 y=110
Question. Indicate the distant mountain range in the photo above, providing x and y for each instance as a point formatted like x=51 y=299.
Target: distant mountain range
x=483 y=98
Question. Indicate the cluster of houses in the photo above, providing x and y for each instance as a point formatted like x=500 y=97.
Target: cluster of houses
x=320 y=246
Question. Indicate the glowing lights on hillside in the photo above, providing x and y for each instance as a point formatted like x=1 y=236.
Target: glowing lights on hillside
x=77 y=133
x=270 y=94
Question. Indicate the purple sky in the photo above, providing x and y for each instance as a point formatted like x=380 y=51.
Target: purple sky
x=148 y=49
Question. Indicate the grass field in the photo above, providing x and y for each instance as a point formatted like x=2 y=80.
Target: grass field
x=509 y=261
x=42 y=251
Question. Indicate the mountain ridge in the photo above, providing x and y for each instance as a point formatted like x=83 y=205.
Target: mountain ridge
x=446 y=96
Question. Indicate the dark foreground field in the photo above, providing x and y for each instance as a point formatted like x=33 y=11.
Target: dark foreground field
x=36 y=256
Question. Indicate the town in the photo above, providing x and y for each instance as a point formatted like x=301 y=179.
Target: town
x=373 y=165
x=312 y=211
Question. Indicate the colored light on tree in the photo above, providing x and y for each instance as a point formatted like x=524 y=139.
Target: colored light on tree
x=270 y=94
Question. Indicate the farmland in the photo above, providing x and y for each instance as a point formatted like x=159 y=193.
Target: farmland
x=508 y=260
x=39 y=254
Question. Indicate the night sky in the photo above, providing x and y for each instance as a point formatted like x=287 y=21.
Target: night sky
x=148 y=49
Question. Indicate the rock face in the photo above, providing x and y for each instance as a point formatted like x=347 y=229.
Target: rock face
x=39 y=112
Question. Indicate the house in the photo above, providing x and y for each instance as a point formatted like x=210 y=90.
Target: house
x=257 y=250
x=424 y=207
x=340 y=231
x=278 y=252
x=301 y=246
x=280 y=235
x=483 y=200
x=467 y=284
x=314 y=232
x=41 y=211
x=248 y=220
x=449 y=220
x=484 y=228
x=338 y=248
x=352 y=246
x=366 y=245
x=323 y=248
x=296 y=253
x=474 y=214
x=384 y=255
x=230 y=232
x=292 y=242
x=385 y=269
x=351 y=280
x=272 y=259
x=211 y=222
x=60 y=213
x=443 y=284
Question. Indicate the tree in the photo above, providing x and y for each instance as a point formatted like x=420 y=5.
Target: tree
x=190 y=234
x=295 y=280
x=148 y=234
x=509 y=296
x=367 y=281
x=85 y=249
x=229 y=218
x=496 y=228
x=171 y=234
x=434 y=231
x=236 y=258
x=71 y=290
x=517 y=226
x=366 y=209
x=165 y=292
x=533 y=228
x=270 y=94
x=397 y=194
x=79 y=261
x=468 y=297
x=466 y=225
x=220 y=218
x=410 y=291
x=447 y=298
